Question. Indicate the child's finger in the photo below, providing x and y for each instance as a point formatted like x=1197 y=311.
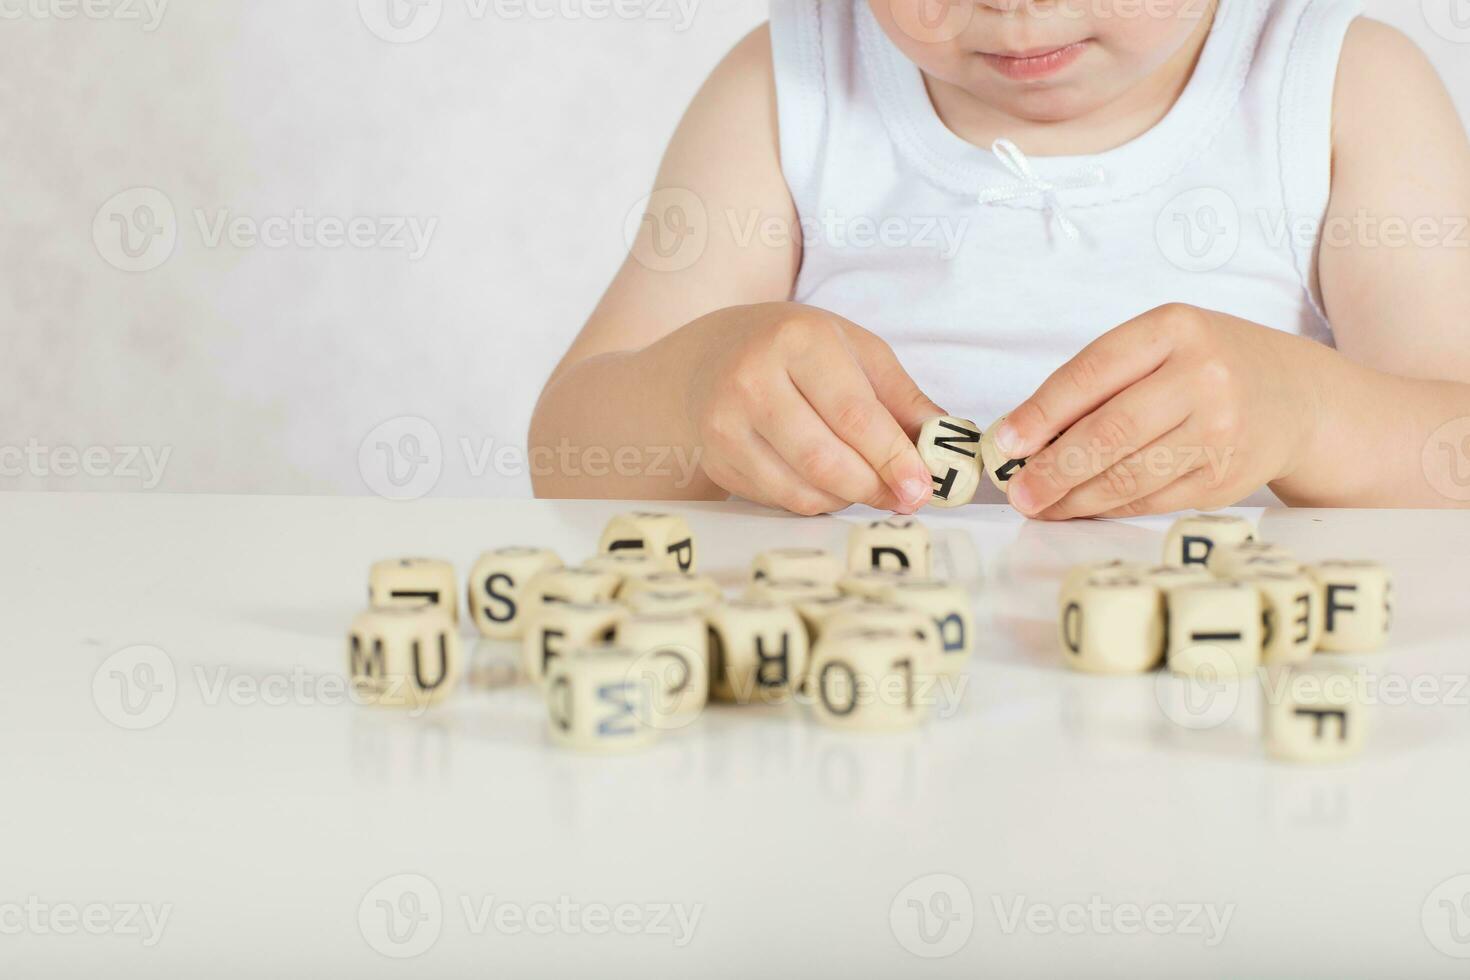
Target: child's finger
x=753 y=470
x=1196 y=490
x=897 y=392
x=801 y=438
x=841 y=394
x=1135 y=418
x=1100 y=370
x=1134 y=477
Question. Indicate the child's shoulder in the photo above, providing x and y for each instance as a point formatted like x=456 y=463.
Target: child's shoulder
x=1387 y=90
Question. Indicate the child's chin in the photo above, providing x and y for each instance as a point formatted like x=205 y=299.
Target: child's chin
x=1046 y=104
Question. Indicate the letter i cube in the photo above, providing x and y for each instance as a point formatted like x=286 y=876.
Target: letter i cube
x=412 y=582
x=1214 y=626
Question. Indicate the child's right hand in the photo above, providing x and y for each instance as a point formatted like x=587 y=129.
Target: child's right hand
x=798 y=408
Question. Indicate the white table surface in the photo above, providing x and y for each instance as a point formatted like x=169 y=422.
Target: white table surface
x=264 y=828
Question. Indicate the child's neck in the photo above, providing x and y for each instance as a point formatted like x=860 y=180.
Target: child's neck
x=1135 y=113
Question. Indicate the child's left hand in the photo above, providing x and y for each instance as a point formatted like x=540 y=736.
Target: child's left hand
x=1180 y=408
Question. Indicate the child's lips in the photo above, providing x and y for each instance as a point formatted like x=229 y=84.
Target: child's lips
x=1035 y=64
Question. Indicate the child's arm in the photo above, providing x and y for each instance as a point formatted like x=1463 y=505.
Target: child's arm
x=695 y=356
x=1189 y=408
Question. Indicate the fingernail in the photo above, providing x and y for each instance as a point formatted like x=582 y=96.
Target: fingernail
x=911 y=492
x=1008 y=440
x=1021 y=497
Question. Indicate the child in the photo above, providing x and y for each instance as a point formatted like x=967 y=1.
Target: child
x=1204 y=245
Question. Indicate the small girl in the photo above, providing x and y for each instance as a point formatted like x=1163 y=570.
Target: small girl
x=1190 y=248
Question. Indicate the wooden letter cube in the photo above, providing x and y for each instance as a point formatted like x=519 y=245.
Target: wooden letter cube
x=1100 y=570
x=497 y=594
x=811 y=564
x=950 y=447
x=998 y=466
x=673 y=650
x=559 y=585
x=1214 y=626
x=1291 y=605
x=758 y=651
x=1236 y=560
x=598 y=701
x=869 y=584
x=1191 y=539
x=666 y=538
x=403 y=656
x=1112 y=625
x=628 y=566
x=1357 y=605
x=951 y=611
x=870 y=678
x=1314 y=715
x=414 y=582
x=561 y=627
x=791 y=591
x=893 y=544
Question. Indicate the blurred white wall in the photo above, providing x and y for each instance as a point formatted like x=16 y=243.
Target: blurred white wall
x=512 y=146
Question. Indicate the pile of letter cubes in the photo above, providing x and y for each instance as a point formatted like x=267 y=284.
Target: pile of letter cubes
x=634 y=641
x=1221 y=606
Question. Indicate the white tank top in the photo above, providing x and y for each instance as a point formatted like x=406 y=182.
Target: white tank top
x=986 y=270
